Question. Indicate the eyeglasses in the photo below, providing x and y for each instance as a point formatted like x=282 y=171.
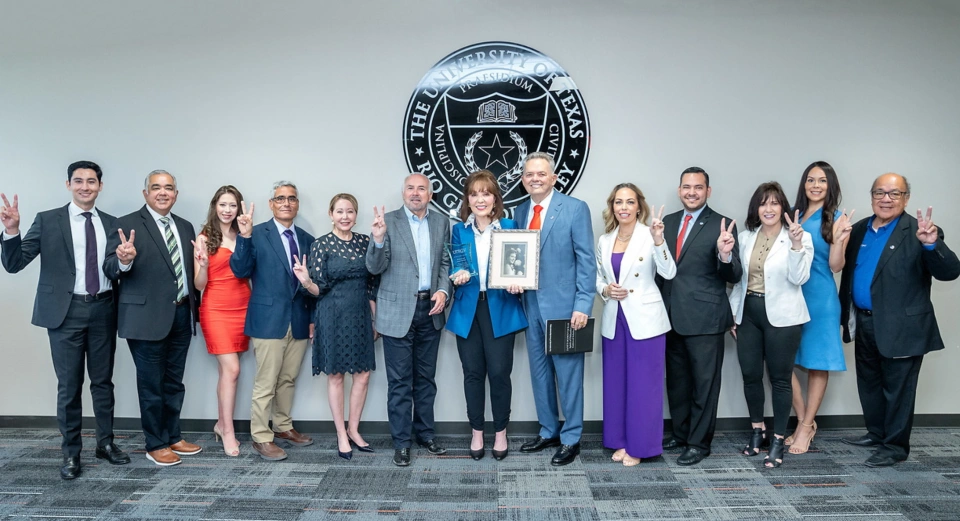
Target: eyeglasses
x=895 y=195
x=283 y=199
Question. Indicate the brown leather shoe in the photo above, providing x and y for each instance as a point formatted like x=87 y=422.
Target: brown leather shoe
x=185 y=448
x=294 y=438
x=270 y=451
x=164 y=457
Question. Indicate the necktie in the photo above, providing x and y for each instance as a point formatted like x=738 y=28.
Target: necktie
x=535 y=222
x=91 y=271
x=294 y=254
x=683 y=233
x=174 y=256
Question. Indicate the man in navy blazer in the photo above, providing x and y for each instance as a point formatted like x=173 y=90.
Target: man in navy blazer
x=279 y=316
x=74 y=303
x=568 y=274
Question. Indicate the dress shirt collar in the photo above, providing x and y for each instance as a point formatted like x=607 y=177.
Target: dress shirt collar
x=412 y=217
x=75 y=210
x=281 y=228
x=156 y=216
x=471 y=222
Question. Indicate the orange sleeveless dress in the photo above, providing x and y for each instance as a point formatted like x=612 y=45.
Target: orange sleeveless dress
x=223 y=307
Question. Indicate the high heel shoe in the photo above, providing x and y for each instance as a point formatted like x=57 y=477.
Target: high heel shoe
x=775 y=457
x=361 y=448
x=500 y=454
x=758 y=440
x=217 y=435
x=345 y=455
x=798 y=448
x=789 y=440
x=477 y=455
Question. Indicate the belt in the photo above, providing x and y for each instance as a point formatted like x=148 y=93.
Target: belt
x=182 y=301
x=755 y=294
x=94 y=298
x=482 y=296
x=866 y=312
x=423 y=295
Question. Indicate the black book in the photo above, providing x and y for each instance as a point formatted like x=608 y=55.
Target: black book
x=562 y=339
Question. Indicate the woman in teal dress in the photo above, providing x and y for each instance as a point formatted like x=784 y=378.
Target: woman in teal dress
x=821 y=349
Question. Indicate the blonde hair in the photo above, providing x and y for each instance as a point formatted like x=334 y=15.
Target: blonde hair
x=610 y=220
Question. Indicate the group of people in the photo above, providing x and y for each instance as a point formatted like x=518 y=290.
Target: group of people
x=663 y=287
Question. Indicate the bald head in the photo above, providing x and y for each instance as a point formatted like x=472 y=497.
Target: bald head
x=891 y=177
x=888 y=197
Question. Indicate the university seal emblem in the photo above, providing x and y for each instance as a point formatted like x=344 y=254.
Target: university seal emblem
x=487 y=106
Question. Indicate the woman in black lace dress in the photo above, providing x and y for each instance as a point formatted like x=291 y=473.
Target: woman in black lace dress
x=343 y=341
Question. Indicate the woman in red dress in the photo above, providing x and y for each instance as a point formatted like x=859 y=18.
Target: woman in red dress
x=223 y=308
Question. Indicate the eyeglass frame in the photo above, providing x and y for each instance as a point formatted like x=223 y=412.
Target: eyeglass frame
x=900 y=194
x=281 y=199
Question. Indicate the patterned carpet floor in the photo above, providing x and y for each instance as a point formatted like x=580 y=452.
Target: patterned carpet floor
x=829 y=482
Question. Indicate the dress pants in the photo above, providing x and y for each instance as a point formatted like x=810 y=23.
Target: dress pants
x=888 y=391
x=483 y=356
x=548 y=373
x=88 y=334
x=278 y=365
x=160 y=365
x=694 y=367
x=411 y=362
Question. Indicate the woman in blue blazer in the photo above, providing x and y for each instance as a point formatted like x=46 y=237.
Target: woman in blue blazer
x=485 y=321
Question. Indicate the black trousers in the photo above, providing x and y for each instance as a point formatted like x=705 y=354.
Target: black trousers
x=483 y=356
x=757 y=341
x=88 y=336
x=888 y=391
x=694 y=367
x=160 y=365
x=411 y=362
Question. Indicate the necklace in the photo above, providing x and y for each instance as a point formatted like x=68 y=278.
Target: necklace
x=621 y=238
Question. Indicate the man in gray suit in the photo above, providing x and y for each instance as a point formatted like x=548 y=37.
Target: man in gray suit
x=407 y=252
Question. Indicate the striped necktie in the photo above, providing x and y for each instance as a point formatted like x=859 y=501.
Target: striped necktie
x=174 y=256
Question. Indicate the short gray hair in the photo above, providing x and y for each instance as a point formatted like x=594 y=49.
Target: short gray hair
x=542 y=155
x=146 y=180
x=280 y=184
x=421 y=174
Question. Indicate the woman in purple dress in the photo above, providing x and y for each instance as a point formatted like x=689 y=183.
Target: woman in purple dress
x=633 y=326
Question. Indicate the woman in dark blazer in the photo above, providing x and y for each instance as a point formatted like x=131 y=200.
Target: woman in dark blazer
x=485 y=321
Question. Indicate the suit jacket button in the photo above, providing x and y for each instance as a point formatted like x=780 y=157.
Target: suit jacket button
x=641 y=259
x=636 y=274
x=631 y=291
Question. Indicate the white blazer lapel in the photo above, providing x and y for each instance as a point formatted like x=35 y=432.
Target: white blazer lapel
x=634 y=252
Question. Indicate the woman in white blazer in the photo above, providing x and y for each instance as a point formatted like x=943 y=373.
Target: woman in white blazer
x=769 y=309
x=633 y=326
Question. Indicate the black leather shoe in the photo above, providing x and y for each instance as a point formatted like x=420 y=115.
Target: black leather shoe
x=477 y=455
x=113 y=454
x=880 y=460
x=862 y=441
x=539 y=444
x=432 y=447
x=401 y=457
x=565 y=455
x=500 y=454
x=672 y=443
x=692 y=456
x=70 y=468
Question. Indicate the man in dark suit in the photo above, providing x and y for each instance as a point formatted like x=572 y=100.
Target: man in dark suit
x=157 y=311
x=279 y=316
x=407 y=252
x=703 y=243
x=890 y=260
x=566 y=289
x=74 y=303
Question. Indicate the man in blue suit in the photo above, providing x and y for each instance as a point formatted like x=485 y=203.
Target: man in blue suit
x=279 y=316
x=568 y=273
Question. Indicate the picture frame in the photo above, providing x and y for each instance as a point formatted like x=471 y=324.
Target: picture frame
x=514 y=259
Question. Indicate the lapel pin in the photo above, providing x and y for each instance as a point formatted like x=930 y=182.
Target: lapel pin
x=892 y=246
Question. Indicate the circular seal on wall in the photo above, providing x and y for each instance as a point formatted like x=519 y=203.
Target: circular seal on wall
x=487 y=106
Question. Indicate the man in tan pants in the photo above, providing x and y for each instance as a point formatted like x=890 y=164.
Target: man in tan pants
x=278 y=317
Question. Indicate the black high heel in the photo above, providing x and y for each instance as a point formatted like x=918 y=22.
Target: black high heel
x=775 y=457
x=477 y=455
x=758 y=440
x=500 y=454
x=361 y=448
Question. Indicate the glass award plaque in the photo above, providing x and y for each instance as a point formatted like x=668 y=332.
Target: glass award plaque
x=462 y=259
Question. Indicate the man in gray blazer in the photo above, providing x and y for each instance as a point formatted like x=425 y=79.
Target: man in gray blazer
x=74 y=303
x=408 y=253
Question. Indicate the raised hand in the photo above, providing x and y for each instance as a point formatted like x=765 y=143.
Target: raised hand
x=461 y=277
x=842 y=227
x=301 y=271
x=795 y=230
x=126 y=252
x=656 y=227
x=378 y=230
x=200 y=251
x=245 y=220
x=10 y=215
x=726 y=240
x=926 y=230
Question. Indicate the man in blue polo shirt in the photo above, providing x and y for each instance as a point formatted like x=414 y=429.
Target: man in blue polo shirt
x=886 y=280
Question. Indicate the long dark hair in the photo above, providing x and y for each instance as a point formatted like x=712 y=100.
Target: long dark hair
x=830 y=203
x=764 y=191
x=477 y=181
x=211 y=228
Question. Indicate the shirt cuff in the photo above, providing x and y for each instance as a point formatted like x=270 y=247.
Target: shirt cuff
x=377 y=245
x=7 y=236
x=125 y=268
x=928 y=247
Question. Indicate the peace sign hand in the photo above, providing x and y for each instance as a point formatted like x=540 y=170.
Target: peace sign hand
x=656 y=228
x=245 y=220
x=842 y=227
x=300 y=270
x=795 y=230
x=10 y=215
x=126 y=252
x=726 y=240
x=926 y=230
x=379 y=228
x=200 y=251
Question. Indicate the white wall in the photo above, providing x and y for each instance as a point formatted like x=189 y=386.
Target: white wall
x=247 y=93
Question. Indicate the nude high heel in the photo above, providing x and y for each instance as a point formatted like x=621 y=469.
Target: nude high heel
x=217 y=435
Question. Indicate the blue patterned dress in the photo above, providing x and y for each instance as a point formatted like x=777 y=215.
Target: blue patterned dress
x=820 y=346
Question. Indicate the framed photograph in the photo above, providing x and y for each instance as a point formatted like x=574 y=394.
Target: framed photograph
x=514 y=259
